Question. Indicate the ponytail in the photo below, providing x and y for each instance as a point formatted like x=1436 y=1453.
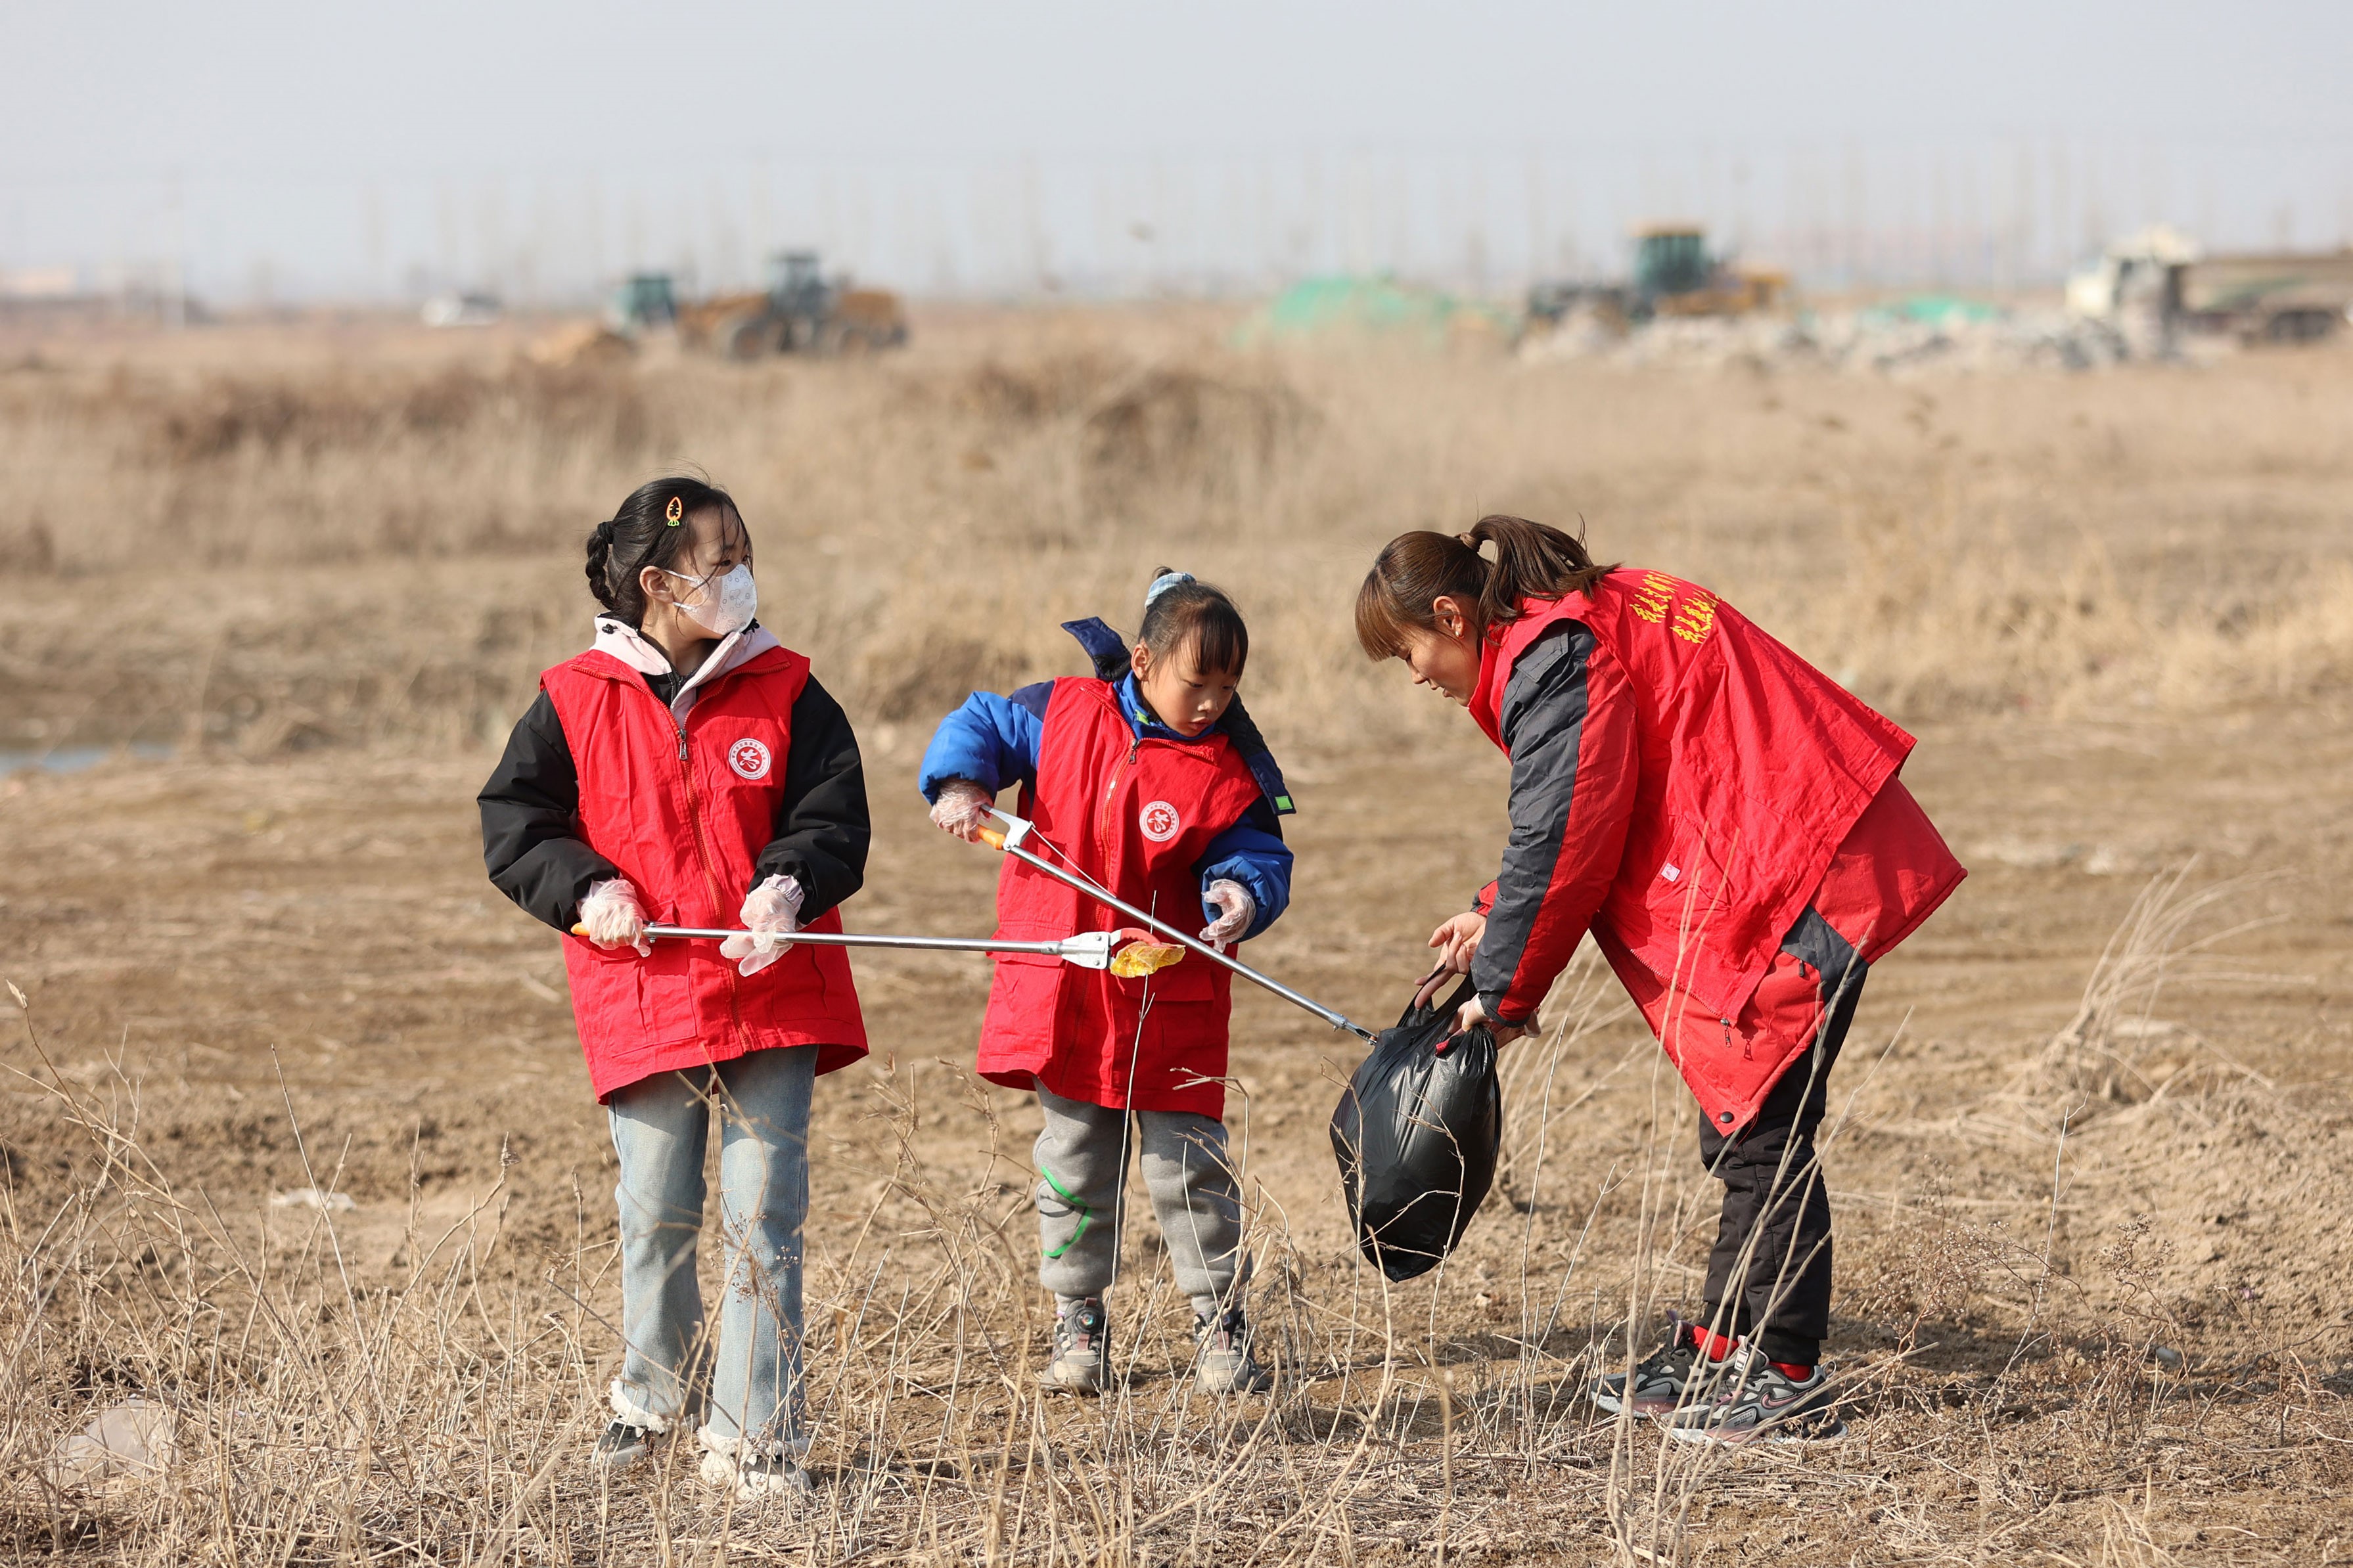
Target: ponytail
x=1413 y=571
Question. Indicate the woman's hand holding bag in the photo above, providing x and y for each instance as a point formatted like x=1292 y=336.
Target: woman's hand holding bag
x=1458 y=942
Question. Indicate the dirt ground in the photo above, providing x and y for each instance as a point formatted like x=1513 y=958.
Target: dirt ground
x=2095 y=1242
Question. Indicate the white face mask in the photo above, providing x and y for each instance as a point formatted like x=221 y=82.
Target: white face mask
x=728 y=603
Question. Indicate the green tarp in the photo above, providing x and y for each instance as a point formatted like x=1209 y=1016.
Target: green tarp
x=1341 y=308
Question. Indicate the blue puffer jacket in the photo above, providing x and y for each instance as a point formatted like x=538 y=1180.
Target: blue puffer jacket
x=993 y=742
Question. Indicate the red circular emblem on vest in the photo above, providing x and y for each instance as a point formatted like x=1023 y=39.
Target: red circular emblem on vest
x=750 y=760
x=1160 y=821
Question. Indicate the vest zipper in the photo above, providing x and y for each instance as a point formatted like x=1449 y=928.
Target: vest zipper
x=710 y=877
x=1111 y=787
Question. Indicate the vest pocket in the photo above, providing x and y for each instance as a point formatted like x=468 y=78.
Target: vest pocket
x=1024 y=996
x=665 y=995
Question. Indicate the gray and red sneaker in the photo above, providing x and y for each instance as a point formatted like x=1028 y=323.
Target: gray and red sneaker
x=1079 y=1362
x=1750 y=1400
x=1659 y=1380
x=1225 y=1359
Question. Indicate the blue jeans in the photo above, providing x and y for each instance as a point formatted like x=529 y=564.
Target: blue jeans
x=660 y=1127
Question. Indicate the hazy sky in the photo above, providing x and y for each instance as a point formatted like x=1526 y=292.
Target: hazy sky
x=330 y=149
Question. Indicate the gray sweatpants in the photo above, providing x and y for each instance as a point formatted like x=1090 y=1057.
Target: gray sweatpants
x=1082 y=1178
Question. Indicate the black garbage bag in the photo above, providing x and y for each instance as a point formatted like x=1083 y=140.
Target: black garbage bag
x=1417 y=1133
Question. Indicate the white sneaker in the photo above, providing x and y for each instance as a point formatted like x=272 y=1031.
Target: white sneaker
x=758 y=1476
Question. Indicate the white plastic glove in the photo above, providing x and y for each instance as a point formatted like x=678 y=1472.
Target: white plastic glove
x=614 y=918
x=771 y=910
x=1236 y=909
x=962 y=809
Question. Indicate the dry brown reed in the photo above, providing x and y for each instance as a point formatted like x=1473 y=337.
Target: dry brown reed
x=366 y=550
x=277 y=558
x=435 y=1408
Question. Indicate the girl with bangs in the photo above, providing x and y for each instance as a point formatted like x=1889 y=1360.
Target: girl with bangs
x=1148 y=777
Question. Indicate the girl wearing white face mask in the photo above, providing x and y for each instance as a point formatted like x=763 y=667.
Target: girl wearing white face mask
x=688 y=770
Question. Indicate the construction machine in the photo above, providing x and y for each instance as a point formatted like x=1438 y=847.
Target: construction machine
x=2276 y=299
x=642 y=302
x=2161 y=284
x=1675 y=275
x=801 y=313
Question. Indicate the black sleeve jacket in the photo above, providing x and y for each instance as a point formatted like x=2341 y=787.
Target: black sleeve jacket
x=531 y=807
x=1567 y=721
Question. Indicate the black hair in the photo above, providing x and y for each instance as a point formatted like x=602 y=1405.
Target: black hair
x=1534 y=563
x=649 y=530
x=1200 y=616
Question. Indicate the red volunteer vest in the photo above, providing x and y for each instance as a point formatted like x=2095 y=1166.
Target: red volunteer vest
x=1136 y=815
x=1889 y=875
x=683 y=813
x=1754 y=766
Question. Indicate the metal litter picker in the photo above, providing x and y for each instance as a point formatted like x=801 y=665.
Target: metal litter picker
x=1112 y=950
x=1012 y=839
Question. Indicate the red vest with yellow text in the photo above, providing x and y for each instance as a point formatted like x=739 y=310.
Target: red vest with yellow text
x=683 y=811
x=1754 y=765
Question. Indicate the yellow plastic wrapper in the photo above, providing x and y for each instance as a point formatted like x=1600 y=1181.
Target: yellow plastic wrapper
x=1138 y=958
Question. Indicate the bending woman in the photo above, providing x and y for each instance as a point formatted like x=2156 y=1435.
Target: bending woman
x=1727 y=823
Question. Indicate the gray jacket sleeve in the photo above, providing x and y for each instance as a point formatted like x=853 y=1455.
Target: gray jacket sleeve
x=1567 y=721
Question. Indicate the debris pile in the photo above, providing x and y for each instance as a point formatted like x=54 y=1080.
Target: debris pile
x=1928 y=333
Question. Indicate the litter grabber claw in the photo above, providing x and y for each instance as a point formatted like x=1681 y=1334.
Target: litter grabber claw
x=1127 y=952
x=1013 y=838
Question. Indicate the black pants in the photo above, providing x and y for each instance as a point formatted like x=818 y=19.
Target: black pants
x=1773 y=1189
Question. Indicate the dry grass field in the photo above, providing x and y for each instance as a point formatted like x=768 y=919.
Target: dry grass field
x=291 y=583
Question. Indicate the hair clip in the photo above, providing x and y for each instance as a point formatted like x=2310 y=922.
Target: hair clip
x=675 y=513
